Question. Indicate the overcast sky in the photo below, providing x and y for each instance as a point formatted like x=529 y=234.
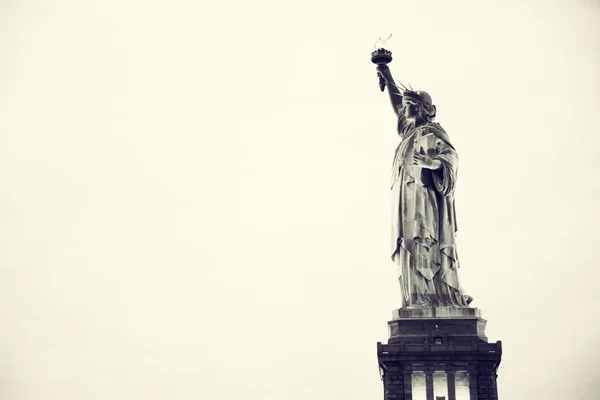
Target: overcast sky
x=194 y=196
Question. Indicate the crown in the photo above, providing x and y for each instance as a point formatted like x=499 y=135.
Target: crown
x=412 y=93
x=421 y=96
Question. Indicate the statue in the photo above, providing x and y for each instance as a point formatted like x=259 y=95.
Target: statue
x=424 y=175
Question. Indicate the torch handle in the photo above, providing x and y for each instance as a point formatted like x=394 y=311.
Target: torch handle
x=381 y=81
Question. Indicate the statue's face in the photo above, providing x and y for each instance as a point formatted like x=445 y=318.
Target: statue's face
x=411 y=109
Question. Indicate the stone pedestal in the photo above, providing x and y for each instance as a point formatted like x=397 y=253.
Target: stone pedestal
x=439 y=353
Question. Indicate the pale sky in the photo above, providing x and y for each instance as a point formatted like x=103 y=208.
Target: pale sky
x=194 y=198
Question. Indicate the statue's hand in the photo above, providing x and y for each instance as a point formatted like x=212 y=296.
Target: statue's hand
x=424 y=161
x=384 y=71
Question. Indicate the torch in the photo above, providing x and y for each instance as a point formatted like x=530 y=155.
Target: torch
x=381 y=56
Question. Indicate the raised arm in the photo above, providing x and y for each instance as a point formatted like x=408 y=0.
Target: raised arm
x=393 y=91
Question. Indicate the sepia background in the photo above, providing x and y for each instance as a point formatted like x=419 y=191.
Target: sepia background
x=194 y=196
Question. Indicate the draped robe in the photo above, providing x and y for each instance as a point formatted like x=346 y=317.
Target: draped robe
x=424 y=222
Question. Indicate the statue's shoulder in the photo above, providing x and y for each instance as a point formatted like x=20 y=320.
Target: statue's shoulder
x=432 y=127
x=437 y=130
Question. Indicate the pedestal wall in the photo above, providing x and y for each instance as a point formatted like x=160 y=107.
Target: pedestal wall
x=425 y=343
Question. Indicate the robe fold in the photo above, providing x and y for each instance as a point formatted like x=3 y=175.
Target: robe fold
x=424 y=222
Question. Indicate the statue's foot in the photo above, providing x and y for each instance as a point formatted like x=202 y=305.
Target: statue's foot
x=468 y=299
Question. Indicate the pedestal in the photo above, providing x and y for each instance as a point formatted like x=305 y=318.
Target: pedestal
x=439 y=354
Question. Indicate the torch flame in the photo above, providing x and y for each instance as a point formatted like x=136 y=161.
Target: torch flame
x=380 y=43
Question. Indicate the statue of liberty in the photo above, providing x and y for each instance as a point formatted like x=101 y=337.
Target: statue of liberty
x=424 y=175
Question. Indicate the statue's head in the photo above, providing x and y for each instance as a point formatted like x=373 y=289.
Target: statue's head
x=418 y=106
